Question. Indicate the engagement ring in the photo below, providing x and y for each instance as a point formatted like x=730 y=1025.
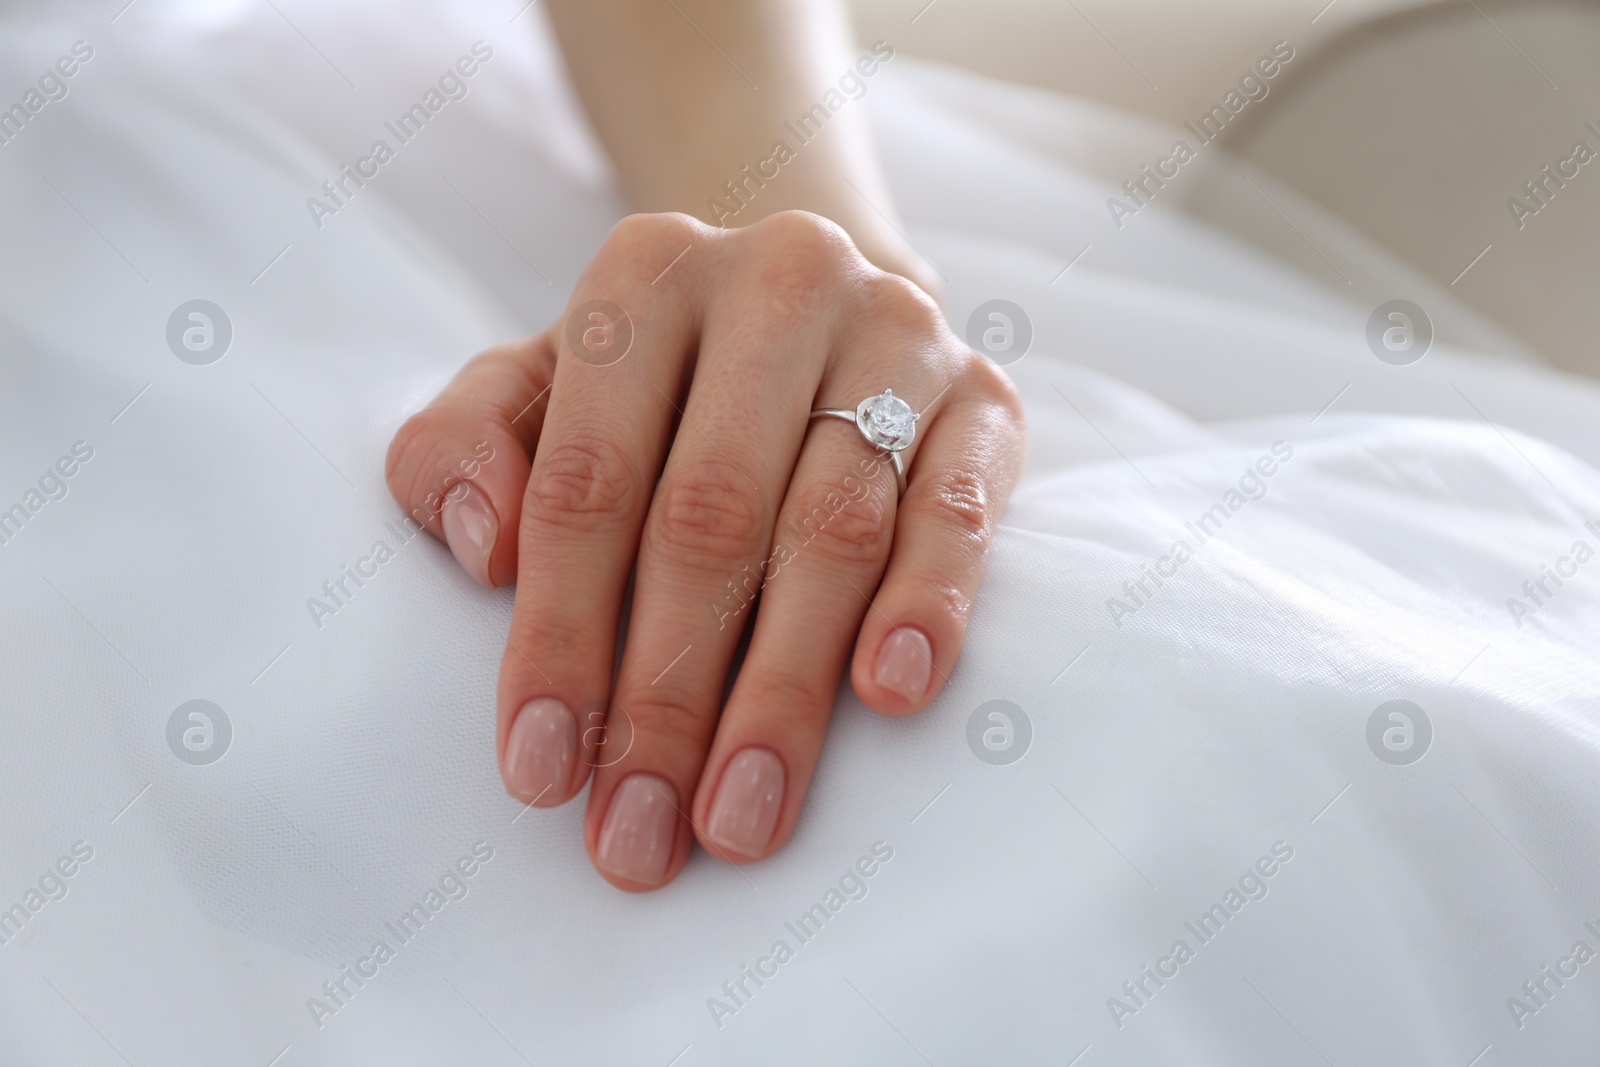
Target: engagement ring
x=886 y=421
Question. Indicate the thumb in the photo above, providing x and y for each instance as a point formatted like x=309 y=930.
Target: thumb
x=460 y=465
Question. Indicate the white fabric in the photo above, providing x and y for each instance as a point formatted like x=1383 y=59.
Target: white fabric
x=1169 y=755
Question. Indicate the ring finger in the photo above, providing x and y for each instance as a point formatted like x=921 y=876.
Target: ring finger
x=829 y=552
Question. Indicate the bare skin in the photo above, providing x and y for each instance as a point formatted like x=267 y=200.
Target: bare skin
x=680 y=115
x=666 y=438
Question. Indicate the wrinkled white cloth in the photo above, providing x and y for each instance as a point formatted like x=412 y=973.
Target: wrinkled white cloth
x=1199 y=764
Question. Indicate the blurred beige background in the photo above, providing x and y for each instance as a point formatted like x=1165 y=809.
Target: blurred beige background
x=1413 y=121
x=1165 y=59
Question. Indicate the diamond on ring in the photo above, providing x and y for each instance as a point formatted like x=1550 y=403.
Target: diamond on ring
x=887 y=421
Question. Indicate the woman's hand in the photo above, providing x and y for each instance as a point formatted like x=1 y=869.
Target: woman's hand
x=661 y=430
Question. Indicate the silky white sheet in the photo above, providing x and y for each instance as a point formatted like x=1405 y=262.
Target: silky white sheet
x=1219 y=724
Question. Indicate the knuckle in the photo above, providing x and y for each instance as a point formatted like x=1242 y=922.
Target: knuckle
x=902 y=305
x=584 y=481
x=846 y=530
x=709 y=509
x=793 y=694
x=944 y=596
x=652 y=230
x=671 y=722
x=413 y=456
x=802 y=231
x=549 y=636
x=639 y=246
x=494 y=362
x=799 y=254
x=404 y=449
x=495 y=379
x=958 y=499
x=996 y=386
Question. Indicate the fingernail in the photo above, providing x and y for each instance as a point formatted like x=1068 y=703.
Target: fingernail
x=905 y=662
x=470 y=527
x=748 y=802
x=540 y=752
x=636 y=841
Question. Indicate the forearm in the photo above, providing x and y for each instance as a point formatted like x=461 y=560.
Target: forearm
x=721 y=109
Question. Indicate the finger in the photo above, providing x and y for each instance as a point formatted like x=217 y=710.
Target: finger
x=961 y=479
x=762 y=354
x=828 y=553
x=459 y=466
x=604 y=438
x=831 y=542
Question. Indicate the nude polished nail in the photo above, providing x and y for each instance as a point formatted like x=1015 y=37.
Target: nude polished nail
x=470 y=529
x=540 y=751
x=640 y=828
x=749 y=799
x=905 y=663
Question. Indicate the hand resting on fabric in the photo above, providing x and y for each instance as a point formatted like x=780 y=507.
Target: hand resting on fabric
x=661 y=430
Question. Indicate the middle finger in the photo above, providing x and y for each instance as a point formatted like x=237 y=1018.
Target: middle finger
x=765 y=343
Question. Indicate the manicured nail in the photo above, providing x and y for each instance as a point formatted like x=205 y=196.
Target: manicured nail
x=540 y=752
x=905 y=663
x=748 y=802
x=641 y=825
x=470 y=526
